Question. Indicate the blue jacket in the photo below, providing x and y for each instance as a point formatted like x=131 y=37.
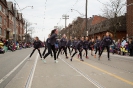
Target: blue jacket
x=85 y=44
x=107 y=41
x=63 y=42
x=37 y=44
x=52 y=39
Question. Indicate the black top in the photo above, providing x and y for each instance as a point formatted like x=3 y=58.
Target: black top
x=131 y=45
x=37 y=44
x=107 y=41
x=52 y=39
x=86 y=44
x=98 y=42
x=91 y=44
x=79 y=45
x=74 y=43
x=68 y=43
x=63 y=42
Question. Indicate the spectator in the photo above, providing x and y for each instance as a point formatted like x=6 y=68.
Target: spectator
x=131 y=46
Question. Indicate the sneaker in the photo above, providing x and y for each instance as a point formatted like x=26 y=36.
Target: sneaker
x=71 y=59
x=81 y=60
x=56 y=61
x=67 y=57
x=87 y=57
x=44 y=60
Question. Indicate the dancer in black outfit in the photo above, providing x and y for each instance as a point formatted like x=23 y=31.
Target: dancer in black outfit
x=85 y=46
x=37 y=45
x=98 y=42
x=46 y=46
x=51 y=45
x=91 y=46
x=68 y=45
x=106 y=42
x=63 y=43
x=74 y=44
x=78 y=47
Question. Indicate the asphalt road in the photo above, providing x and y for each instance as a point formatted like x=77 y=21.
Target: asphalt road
x=92 y=73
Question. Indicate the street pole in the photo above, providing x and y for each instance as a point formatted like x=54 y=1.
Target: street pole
x=15 y=23
x=65 y=17
x=86 y=17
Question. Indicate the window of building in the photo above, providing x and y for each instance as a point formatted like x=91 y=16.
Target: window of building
x=5 y=22
x=0 y=31
x=4 y=11
x=0 y=8
x=5 y=33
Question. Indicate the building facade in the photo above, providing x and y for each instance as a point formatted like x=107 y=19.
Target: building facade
x=7 y=15
x=130 y=18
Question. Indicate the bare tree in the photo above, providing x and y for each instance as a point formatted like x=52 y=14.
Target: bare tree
x=112 y=10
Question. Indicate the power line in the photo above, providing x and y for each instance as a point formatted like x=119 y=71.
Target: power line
x=101 y=2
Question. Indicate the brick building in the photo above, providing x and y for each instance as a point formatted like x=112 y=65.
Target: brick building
x=3 y=18
x=130 y=18
x=7 y=21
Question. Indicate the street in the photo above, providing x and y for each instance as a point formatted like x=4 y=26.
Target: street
x=18 y=72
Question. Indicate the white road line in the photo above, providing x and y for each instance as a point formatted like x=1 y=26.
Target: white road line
x=85 y=76
x=30 y=78
x=6 y=76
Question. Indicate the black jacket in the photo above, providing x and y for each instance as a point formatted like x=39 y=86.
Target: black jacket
x=74 y=43
x=52 y=39
x=107 y=41
x=63 y=42
x=86 y=44
x=37 y=44
x=98 y=42
x=131 y=45
x=79 y=45
x=68 y=43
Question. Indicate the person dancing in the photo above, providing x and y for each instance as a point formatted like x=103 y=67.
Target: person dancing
x=37 y=45
x=51 y=45
x=106 y=42
x=98 y=42
x=78 y=47
x=63 y=43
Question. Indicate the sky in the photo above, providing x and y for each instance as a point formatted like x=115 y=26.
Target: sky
x=48 y=13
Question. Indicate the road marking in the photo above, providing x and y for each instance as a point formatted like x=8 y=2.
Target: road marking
x=30 y=78
x=113 y=75
x=85 y=76
x=6 y=76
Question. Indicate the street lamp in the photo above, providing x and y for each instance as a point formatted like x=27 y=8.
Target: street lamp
x=26 y=7
x=78 y=12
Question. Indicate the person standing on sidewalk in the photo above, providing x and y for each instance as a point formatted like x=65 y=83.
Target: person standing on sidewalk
x=63 y=43
x=106 y=42
x=131 y=46
x=46 y=46
x=98 y=42
x=37 y=45
x=51 y=45
x=78 y=47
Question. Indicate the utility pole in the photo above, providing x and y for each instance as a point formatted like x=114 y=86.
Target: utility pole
x=65 y=17
x=86 y=17
x=15 y=23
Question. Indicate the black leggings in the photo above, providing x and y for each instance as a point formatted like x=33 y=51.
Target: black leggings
x=64 y=48
x=50 y=48
x=34 y=51
x=107 y=47
x=45 y=51
x=97 y=50
x=80 y=53
x=86 y=51
x=69 y=49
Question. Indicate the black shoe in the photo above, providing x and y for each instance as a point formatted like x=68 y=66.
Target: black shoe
x=66 y=57
x=71 y=59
